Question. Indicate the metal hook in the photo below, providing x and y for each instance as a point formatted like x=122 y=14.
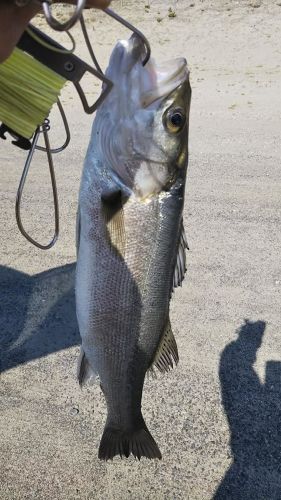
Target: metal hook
x=77 y=15
x=89 y=45
x=56 y=25
x=128 y=25
x=44 y=128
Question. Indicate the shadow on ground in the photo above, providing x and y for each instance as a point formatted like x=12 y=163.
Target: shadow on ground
x=253 y=411
x=37 y=314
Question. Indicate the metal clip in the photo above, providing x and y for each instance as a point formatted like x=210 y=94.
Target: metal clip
x=77 y=15
x=43 y=129
x=73 y=69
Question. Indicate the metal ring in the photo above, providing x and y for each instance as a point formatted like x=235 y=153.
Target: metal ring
x=56 y=25
x=67 y=133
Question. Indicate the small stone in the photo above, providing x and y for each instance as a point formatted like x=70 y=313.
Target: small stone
x=74 y=411
x=171 y=12
x=255 y=4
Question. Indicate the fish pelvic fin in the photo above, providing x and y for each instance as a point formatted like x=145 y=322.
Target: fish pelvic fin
x=139 y=443
x=166 y=355
x=84 y=371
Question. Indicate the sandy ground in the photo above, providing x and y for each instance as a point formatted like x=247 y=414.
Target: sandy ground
x=217 y=416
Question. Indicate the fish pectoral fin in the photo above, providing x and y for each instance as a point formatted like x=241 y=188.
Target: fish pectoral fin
x=113 y=215
x=180 y=267
x=166 y=355
x=84 y=370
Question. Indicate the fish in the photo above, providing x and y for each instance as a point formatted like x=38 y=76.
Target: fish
x=130 y=238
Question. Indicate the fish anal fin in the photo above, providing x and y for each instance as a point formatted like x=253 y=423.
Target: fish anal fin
x=166 y=356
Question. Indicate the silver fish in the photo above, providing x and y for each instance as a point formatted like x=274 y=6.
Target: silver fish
x=131 y=241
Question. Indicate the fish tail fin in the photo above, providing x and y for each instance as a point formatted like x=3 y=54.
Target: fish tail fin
x=139 y=443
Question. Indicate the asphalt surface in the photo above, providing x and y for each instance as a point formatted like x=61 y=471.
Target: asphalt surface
x=217 y=416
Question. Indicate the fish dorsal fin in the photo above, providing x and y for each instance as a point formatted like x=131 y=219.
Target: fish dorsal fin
x=113 y=214
x=167 y=352
x=180 y=267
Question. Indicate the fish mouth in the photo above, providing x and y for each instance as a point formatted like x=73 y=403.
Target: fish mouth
x=154 y=81
x=165 y=78
x=157 y=79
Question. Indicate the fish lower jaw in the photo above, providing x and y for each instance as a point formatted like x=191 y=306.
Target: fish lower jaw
x=145 y=189
x=146 y=198
x=150 y=179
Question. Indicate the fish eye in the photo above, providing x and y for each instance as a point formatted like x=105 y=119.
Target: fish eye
x=174 y=120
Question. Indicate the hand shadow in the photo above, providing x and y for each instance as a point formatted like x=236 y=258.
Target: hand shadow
x=253 y=411
x=37 y=314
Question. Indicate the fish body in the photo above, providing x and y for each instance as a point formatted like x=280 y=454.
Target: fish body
x=131 y=243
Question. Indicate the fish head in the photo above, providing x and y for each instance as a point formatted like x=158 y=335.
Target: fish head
x=143 y=123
